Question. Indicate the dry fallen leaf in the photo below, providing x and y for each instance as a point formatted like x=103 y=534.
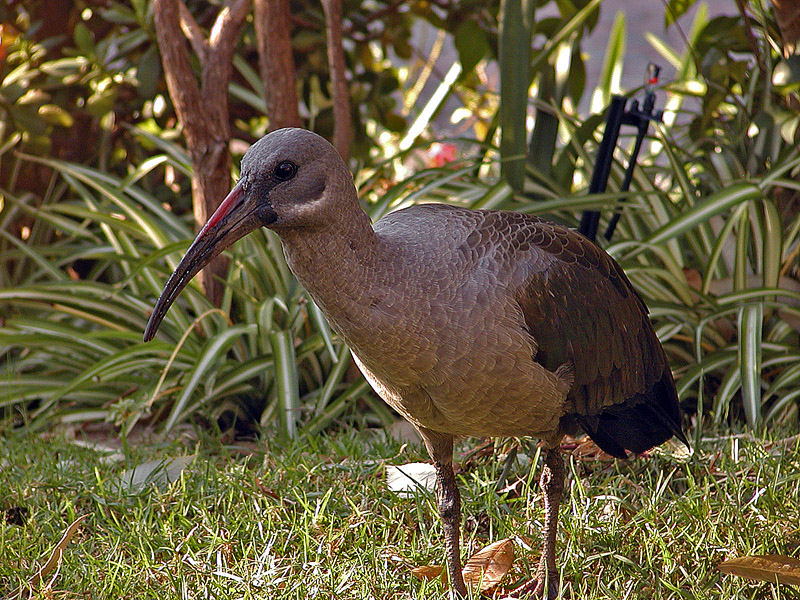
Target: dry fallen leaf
x=767 y=567
x=489 y=565
x=427 y=571
x=55 y=557
x=584 y=448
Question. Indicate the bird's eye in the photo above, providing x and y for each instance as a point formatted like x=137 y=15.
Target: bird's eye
x=285 y=171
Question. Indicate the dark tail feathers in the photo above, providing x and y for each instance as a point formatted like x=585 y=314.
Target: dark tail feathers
x=638 y=424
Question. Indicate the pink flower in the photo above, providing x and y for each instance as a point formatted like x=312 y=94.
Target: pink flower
x=441 y=154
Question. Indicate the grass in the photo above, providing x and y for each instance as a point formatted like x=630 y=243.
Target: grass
x=314 y=520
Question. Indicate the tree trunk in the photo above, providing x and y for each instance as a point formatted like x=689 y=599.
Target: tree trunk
x=336 y=65
x=202 y=110
x=276 y=63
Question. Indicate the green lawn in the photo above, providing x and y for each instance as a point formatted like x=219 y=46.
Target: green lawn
x=315 y=520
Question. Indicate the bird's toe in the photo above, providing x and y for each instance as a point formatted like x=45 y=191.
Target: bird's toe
x=542 y=587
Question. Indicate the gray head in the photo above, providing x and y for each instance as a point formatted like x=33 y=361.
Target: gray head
x=291 y=178
x=297 y=175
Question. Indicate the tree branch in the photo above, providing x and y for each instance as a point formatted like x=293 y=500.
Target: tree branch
x=751 y=38
x=229 y=21
x=339 y=90
x=192 y=31
x=218 y=65
x=276 y=63
x=202 y=110
x=181 y=83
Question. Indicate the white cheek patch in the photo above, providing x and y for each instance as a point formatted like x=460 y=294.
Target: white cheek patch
x=307 y=207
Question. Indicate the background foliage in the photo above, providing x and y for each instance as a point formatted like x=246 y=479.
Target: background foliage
x=96 y=206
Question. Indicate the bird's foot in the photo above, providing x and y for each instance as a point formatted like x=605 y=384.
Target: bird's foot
x=542 y=587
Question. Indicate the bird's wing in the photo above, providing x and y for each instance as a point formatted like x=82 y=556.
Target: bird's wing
x=582 y=311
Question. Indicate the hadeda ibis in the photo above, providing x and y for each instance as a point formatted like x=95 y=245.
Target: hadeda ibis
x=467 y=322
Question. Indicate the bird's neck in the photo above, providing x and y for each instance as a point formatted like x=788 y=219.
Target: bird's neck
x=338 y=263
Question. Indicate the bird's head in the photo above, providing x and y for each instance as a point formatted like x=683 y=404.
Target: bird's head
x=289 y=181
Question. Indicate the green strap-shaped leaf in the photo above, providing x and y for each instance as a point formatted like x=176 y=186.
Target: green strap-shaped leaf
x=214 y=351
x=611 y=73
x=516 y=17
x=286 y=382
x=715 y=204
x=751 y=319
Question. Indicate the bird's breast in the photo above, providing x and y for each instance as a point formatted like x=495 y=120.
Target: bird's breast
x=463 y=366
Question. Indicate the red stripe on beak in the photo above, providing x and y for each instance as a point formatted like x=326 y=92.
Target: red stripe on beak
x=235 y=218
x=230 y=202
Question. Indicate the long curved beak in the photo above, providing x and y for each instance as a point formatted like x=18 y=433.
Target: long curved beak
x=236 y=217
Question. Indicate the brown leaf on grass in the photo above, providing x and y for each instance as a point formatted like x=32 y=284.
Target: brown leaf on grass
x=265 y=490
x=584 y=448
x=766 y=567
x=427 y=571
x=489 y=565
x=55 y=557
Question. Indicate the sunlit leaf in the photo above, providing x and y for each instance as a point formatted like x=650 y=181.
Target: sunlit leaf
x=427 y=571
x=611 y=73
x=767 y=567
x=487 y=567
x=409 y=479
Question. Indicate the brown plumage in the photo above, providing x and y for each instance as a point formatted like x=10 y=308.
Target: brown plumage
x=466 y=322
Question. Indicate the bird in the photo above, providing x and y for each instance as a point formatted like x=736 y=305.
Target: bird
x=466 y=322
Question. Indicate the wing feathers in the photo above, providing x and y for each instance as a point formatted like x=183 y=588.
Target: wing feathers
x=581 y=309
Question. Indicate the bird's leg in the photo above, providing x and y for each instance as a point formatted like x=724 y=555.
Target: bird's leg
x=448 y=499
x=545 y=584
x=552 y=484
